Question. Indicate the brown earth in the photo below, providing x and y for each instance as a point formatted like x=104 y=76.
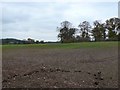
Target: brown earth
x=60 y=68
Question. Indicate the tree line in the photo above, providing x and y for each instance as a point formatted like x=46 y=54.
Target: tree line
x=107 y=31
x=16 y=41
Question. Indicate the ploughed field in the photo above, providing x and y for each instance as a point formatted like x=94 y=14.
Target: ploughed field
x=57 y=66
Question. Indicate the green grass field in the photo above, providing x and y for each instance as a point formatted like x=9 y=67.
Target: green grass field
x=64 y=46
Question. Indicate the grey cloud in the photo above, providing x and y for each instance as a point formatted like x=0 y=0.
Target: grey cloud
x=13 y=18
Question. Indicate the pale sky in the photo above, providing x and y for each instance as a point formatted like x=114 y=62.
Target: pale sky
x=39 y=20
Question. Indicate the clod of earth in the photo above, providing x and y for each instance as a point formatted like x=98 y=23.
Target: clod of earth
x=101 y=78
x=42 y=69
x=89 y=73
x=57 y=69
x=66 y=71
x=96 y=83
x=96 y=78
x=110 y=77
x=51 y=70
x=99 y=72
x=4 y=81
x=77 y=71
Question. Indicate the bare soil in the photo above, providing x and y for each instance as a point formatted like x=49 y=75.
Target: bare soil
x=60 y=68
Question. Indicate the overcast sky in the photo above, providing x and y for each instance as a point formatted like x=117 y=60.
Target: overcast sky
x=39 y=20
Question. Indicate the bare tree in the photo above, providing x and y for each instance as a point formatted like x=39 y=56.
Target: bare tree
x=113 y=27
x=85 y=28
x=66 y=32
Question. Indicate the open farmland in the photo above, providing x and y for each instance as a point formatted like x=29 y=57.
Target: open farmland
x=75 y=65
